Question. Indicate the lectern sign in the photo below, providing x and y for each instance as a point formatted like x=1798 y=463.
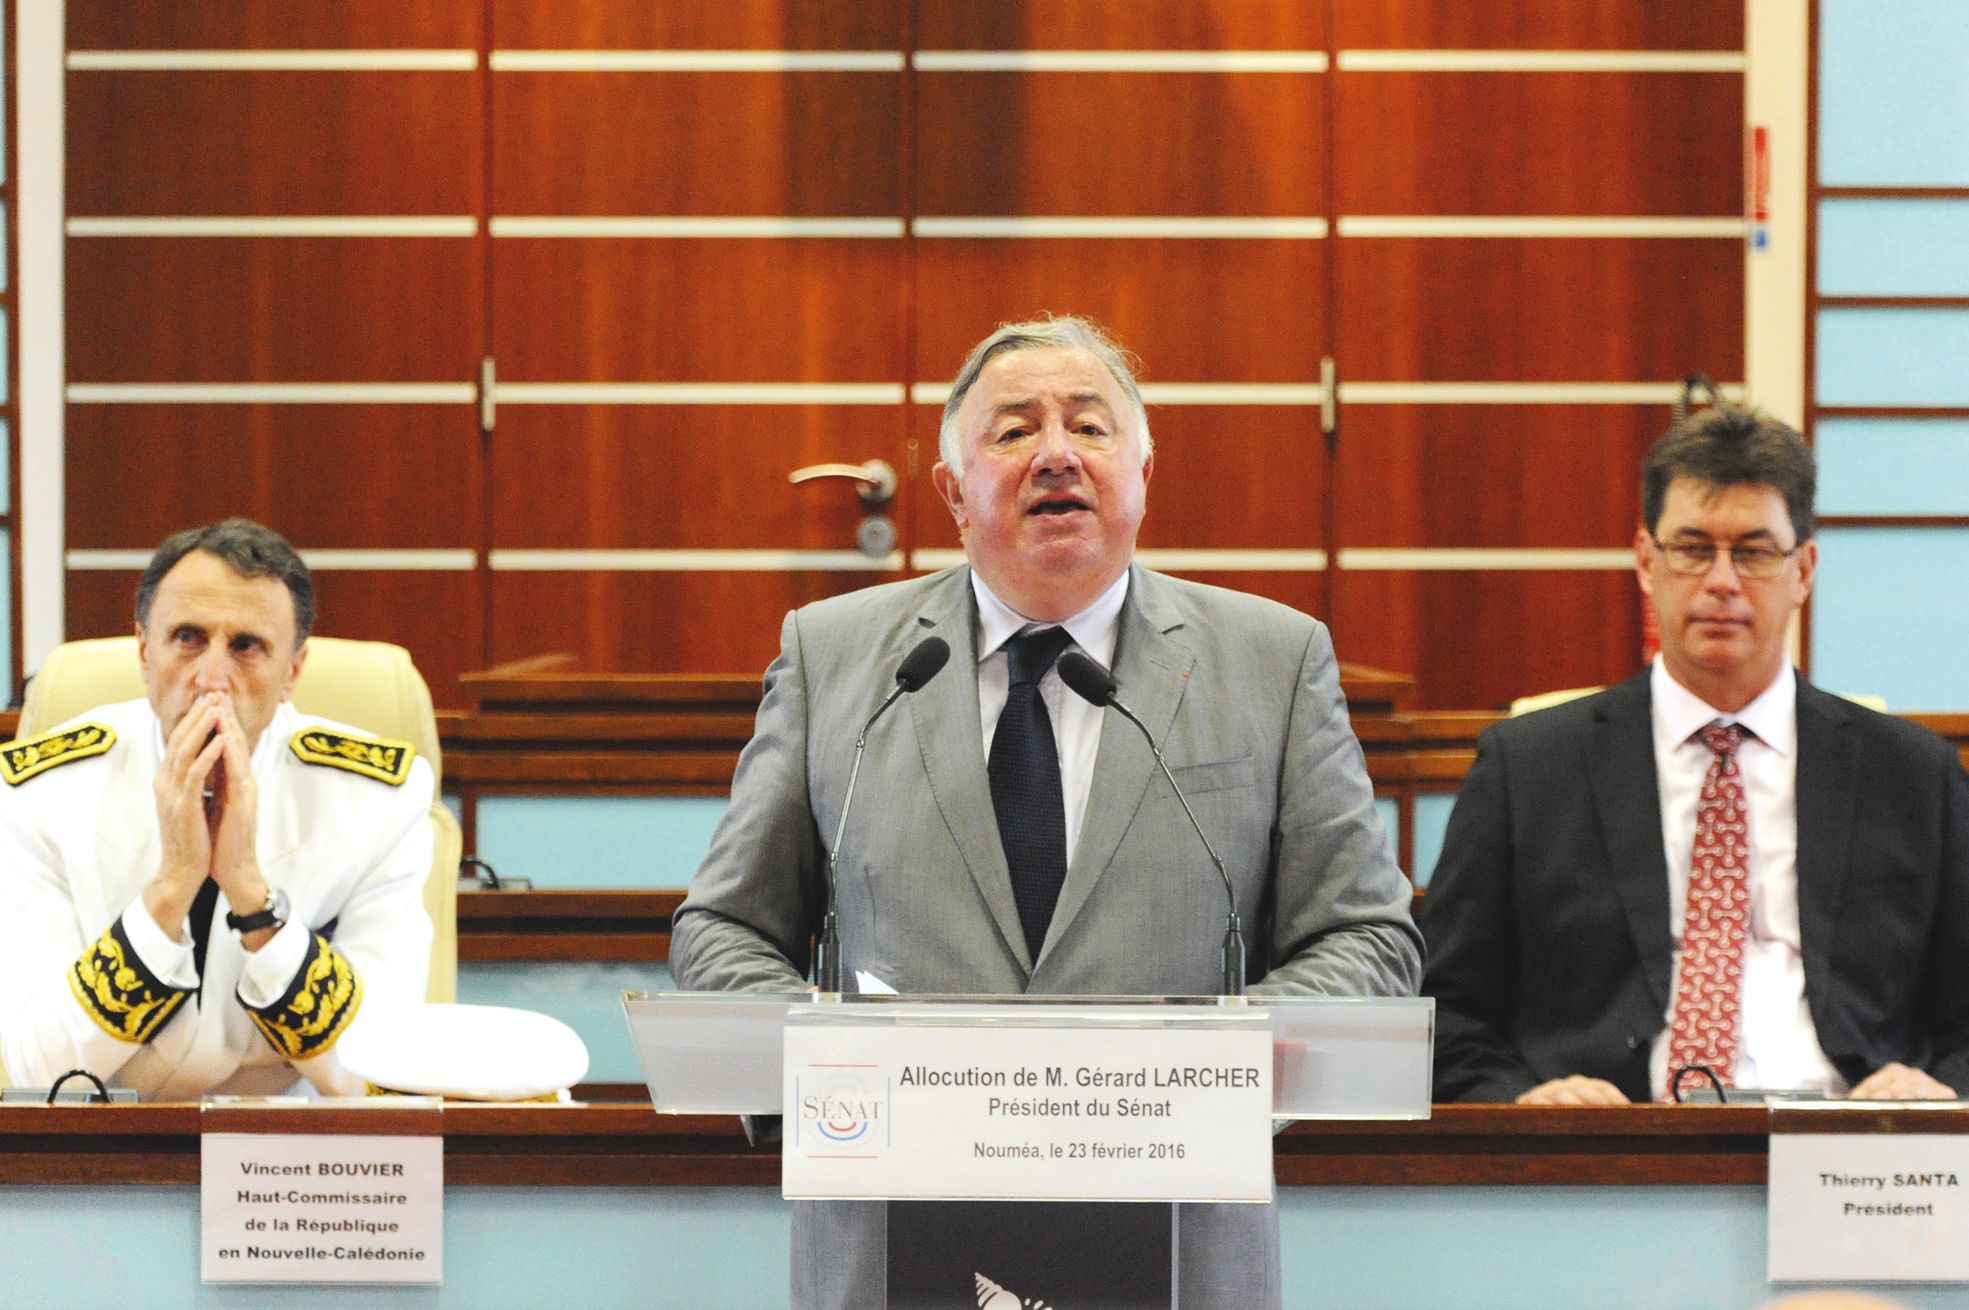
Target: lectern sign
x=984 y=1113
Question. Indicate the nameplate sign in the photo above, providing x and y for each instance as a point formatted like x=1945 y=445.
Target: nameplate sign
x=1005 y=1113
x=1851 y=1207
x=293 y=1208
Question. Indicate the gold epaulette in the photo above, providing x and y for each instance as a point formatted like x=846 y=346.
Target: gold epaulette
x=372 y=757
x=21 y=760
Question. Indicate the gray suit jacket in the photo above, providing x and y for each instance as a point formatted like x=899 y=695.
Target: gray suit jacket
x=1244 y=696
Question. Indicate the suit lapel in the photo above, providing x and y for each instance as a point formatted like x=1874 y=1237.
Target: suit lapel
x=1153 y=670
x=1827 y=794
x=1620 y=761
x=950 y=735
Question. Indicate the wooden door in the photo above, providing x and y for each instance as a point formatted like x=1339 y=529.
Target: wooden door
x=697 y=289
x=274 y=304
x=1159 y=167
x=519 y=321
x=1540 y=233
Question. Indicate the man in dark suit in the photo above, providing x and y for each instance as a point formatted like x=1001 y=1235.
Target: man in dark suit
x=1046 y=461
x=1714 y=863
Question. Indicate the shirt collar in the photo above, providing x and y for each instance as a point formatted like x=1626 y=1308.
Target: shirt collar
x=1094 y=629
x=1679 y=713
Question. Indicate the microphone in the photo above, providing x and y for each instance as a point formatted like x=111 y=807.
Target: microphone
x=924 y=662
x=1092 y=683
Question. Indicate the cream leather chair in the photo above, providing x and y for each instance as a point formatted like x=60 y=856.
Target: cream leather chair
x=1545 y=700
x=371 y=685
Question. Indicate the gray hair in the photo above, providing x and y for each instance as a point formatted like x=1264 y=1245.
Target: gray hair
x=252 y=551
x=1054 y=332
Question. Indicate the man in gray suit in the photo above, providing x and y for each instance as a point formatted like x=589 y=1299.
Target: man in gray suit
x=1046 y=460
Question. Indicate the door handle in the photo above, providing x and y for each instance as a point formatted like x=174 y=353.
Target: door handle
x=877 y=478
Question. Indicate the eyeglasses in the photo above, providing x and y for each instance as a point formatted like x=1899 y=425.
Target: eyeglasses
x=1695 y=558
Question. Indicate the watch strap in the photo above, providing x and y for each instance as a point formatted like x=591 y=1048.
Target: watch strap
x=271 y=915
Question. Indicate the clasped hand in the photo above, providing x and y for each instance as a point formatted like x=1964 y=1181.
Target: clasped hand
x=207 y=818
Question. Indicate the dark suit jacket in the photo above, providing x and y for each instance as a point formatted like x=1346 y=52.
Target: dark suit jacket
x=1547 y=919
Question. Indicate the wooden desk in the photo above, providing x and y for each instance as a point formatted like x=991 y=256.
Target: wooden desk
x=1480 y=1207
x=629 y=1145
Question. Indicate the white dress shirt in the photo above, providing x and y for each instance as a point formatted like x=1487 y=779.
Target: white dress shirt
x=1777 y=1046
x=1076 y=724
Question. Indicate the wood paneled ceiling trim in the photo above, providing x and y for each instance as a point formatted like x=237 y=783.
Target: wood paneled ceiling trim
x=414 y=561
x=272 y=393
x=284 y=61
x=281 y=225
x=696 y=61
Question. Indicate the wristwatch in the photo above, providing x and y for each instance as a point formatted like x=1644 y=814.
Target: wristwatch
x=271 y=915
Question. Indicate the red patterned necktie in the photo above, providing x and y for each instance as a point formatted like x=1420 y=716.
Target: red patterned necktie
x=1709 y=985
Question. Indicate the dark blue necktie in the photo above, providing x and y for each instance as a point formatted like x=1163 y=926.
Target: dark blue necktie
x=1025 y=785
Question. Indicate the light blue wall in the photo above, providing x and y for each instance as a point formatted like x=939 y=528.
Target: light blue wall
x=681 y=1248
x=608 y=842
x=1893 y=111
x=1893 y=98
x=587 y=997
x=6 y=600
x=1893 y=357
x=1390 y=811
x=1431 y=819
x=689 y=1248
x=1882 y=623
x=597 y=841
x=1894 y=247
x=1893 y=466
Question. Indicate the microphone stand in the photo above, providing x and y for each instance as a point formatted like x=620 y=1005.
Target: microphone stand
x=1091 y=682
x=1233 y=926
x=827 y=949
x=924 y=661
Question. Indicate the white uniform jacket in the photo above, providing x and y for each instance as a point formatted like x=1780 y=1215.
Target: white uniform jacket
x=89 y=981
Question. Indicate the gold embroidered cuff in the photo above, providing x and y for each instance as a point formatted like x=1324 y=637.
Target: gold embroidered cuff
x=316 y=1010
x=124 y=998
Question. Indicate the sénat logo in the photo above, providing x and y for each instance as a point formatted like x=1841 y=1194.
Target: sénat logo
x=844 y=1110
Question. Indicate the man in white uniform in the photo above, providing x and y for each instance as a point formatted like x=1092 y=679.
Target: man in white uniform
x=199 y=891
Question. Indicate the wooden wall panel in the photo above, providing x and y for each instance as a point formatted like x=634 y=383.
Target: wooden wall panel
x=764 y=310
x=895 y=310
x=1306 y=592
x=657 y=622
x=1194 y=311
x=1538 y=143
x=431 y=614
x=1546 y=25
x=1489 y=476
x=257 y=25
x=1478 y=640
x=1542 y=309
x=281 y=309
x=798 y=143
x=1119 y=143
x=635 y=476
x=1121 y=25
x=329 y=476
x=273 y=142
x=718 y=25
x=1226 y=477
